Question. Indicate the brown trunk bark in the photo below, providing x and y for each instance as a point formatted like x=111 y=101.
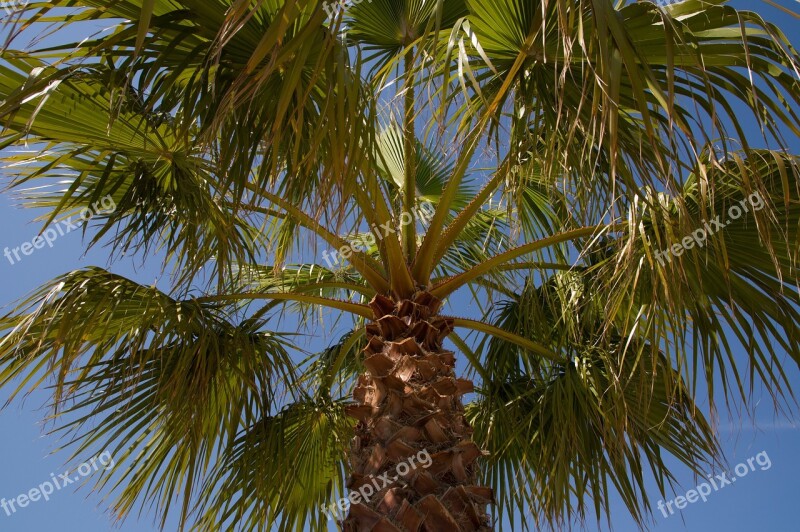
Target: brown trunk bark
x=410 y=412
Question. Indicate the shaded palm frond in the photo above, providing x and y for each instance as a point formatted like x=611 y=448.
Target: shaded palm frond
x=563 y=436
x=281 y=472
x=163 y=384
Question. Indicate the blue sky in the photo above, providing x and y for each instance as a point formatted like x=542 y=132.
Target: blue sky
x=762 y=500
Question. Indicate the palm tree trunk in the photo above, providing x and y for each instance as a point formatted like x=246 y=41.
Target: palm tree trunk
x=409 y=405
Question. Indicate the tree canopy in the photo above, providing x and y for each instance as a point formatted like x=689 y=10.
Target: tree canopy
x=566 y=146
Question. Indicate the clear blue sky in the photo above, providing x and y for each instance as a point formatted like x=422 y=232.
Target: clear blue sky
x=763 y=500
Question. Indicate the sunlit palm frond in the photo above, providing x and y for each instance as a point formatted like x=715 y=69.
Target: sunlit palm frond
x=730 y=264
x=160 y=189
x=386 y=27
x=622 y=97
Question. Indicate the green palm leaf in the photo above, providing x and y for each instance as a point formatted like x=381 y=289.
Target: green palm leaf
x=169 y=382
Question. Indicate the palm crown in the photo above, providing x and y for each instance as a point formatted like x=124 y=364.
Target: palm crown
x=564 y=146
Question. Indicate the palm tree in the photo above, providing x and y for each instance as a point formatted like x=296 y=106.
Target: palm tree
x=583 y=160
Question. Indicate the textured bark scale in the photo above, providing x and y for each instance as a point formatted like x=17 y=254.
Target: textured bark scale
x=409 y=401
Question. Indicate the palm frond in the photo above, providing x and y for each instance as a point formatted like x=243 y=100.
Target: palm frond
x=164 y=384
x=729 y=264
x=163 y=191
x=281 y=472
x=562 y=434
